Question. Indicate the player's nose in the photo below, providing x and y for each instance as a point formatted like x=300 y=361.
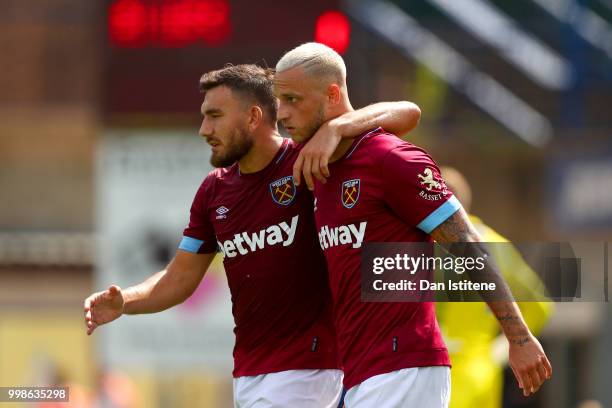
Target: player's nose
x=206 y=129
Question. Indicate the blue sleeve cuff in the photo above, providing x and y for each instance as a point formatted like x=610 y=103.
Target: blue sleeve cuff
x=441 y=214
x=191 y=244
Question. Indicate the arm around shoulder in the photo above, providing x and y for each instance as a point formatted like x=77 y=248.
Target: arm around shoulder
x=396 y=117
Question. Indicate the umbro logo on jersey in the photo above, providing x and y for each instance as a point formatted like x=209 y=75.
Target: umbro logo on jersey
x=221 y=211
x=345 y=234
x=283 y=190
x=246 y=242
x=350 y=193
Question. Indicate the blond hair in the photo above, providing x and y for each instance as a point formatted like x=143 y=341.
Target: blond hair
x=317 y=60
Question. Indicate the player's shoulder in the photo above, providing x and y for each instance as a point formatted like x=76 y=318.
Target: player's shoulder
x=287 y=152
x=381 y=143
x=219 y=174
x=389 y=151
x=215 y=178
x=409 y=152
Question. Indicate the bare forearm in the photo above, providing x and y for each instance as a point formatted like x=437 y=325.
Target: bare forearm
x=461 y=239
x=511 y=321
x=501 y=301
x=395 y=117
x=153 y=295
x=169 y=287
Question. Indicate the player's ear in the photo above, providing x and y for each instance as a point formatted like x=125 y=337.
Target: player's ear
x=333 y=94
x=255 y=117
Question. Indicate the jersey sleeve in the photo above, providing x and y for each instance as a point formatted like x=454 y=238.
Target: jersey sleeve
x=199 y=236
x=414 y=189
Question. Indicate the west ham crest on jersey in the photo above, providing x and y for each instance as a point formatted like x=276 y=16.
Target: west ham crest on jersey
x=283 y=190
x=350 y=193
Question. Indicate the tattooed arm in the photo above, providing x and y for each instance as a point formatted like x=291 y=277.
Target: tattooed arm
x=526 y=356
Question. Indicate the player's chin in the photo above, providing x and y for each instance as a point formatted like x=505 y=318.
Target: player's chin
x=219 y=160
x=298 y=136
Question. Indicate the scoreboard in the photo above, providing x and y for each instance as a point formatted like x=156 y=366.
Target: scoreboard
x=156 y=50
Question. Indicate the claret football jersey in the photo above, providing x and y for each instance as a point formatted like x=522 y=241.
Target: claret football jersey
x=382 y=190
x=264 y=227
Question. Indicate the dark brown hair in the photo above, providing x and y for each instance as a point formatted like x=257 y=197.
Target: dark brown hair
x=250 y=80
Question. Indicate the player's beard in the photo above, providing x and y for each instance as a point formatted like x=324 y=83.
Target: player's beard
x=239 y=145
x=313 y=126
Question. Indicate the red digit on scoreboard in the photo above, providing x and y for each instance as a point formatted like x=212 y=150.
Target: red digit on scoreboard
x=168 y=23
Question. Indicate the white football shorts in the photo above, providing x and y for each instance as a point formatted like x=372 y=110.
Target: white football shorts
x=418 y=387
x=292 y=388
